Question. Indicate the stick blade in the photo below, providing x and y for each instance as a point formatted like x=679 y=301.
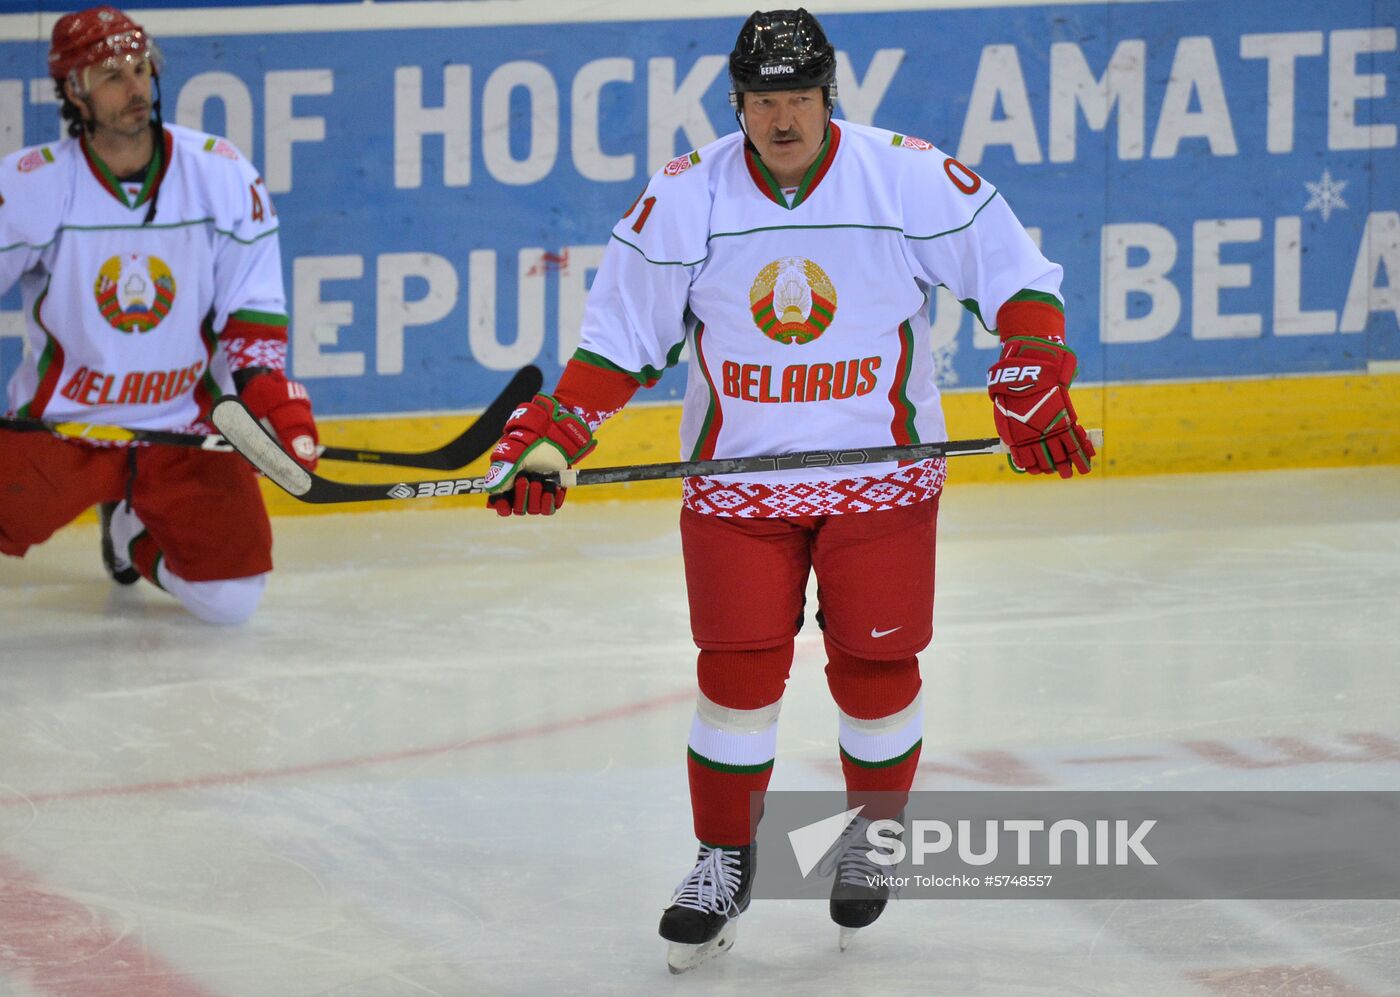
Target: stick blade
x=474 y=441
x=482 y=435
x=249 y=438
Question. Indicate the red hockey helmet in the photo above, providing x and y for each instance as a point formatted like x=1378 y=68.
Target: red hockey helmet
x=94 y=36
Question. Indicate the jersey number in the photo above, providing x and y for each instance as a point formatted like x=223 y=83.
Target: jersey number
x=647 y=205
x=963 y=178
x=258 y=212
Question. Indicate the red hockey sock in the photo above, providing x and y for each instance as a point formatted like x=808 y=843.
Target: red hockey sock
x=733 y=739
x=880 y=729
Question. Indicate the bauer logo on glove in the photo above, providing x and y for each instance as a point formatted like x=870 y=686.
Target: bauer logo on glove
x=1031 y=406
x=1010 y=375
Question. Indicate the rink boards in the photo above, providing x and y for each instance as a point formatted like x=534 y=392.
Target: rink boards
x=1218 y=181
x=1240 y=424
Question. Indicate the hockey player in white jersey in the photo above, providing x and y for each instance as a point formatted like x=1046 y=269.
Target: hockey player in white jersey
x=797 y=258
x=151 y=279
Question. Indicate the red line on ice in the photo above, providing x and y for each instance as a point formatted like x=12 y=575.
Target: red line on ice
x=62 y=947
x=357 y=761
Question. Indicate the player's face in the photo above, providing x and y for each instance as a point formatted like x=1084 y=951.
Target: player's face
x=787 y=128
x=118 y=95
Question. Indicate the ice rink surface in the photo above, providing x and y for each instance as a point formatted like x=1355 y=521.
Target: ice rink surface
x=447 y=755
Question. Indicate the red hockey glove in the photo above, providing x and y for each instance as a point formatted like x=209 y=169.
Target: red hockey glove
x=286 y=406
x=542 y=437
x=1029 y=386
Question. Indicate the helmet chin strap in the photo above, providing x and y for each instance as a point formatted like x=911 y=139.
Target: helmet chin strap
x=744 y=129
x=158 y=126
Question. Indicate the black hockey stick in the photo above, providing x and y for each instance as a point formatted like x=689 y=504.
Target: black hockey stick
x=117 y=434
x=478 y=438
x=254 y=442
x=471 y=444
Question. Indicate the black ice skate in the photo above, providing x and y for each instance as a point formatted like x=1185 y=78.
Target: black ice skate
x=703 y=918
x=861 y=887
x=123 y=572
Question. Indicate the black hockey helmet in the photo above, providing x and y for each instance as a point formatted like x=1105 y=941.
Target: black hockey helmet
x=782 y=50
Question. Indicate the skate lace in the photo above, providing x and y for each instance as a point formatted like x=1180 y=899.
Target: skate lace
x=712 y=884
x=852 y=867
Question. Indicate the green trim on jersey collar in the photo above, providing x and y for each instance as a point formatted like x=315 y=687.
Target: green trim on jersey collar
x=815 y=172
x=113 y=185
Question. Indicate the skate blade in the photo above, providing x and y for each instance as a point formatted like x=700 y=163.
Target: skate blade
x=848 y=935
x=683 y=958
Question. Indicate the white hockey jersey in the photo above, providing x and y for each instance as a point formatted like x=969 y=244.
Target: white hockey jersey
x=806 y=314
x=123 y=320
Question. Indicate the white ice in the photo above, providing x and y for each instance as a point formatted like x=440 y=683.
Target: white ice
x=447 y=755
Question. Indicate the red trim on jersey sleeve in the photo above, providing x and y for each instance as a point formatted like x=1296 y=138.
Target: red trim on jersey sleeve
x=1030 y=317
x=255 y=339
x=597 y=392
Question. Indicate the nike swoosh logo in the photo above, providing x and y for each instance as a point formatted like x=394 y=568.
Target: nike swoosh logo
x=877 y=634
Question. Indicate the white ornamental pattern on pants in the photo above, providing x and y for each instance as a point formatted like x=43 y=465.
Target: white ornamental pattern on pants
x=755 y=500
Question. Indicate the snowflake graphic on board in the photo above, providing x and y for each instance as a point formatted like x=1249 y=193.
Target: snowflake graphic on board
x=944 y=374
x=1325 y=195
